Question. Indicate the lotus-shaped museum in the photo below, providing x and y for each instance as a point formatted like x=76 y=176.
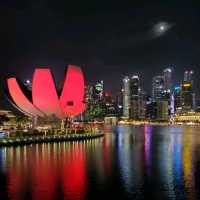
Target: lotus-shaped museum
x=44 y=99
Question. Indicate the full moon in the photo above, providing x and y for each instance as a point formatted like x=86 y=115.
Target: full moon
x=161 y=28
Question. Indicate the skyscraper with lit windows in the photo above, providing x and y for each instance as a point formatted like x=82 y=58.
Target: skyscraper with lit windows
x=134 y=97
x=167 y=79
x=187 y=93
x=188 y=75
x=157 y=87
x=126 y=97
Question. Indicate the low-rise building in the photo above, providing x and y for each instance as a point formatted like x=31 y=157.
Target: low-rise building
x=187 y=117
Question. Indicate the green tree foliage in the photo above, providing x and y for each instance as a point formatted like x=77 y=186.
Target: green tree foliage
x=3 y=118
x=22 y=121
x=97 y=110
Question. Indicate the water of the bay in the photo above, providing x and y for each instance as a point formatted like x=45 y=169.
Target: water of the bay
x=130 y=162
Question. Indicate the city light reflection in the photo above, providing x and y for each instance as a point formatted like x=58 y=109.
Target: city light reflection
x=138 y=159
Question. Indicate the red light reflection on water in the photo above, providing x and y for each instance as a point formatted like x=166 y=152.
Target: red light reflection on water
x=74 y=175
x=17 y=175
x=47 y=171
x=43 y=174
x=106 y=155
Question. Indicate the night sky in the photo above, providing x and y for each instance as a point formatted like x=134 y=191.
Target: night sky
x=109 y=39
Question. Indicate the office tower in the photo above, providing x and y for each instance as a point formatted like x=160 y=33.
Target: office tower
x=142 y=108
x=157 y=87
x=134 y=86
x=167 y=79
x=99 y=90
x=161 y=94
x=134 y=94
x=88 y=93
x=187 y=95
x=88 y=99
x=162 y=113
x=119 y=102
x=188 y=75
x=177 y=98
x=126 y=97
x=172 y=105
x=149 y=108
x=110 y=105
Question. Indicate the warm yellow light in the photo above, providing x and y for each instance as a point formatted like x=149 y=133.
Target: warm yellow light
x=187 y=85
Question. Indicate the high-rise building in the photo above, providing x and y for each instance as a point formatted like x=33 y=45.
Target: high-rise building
x=110 y=105
x=188 y=75
x=187 y=97
x=157 y=87
x=134 y=95
x=177 y=98
x=162 y=93
x=88 y=99
x=99 y=90
x=187 y=93
x=172 y=105
x=167 y=79
x=134 y=86
x=142 y=107
x=126 y=97
x=162 y=113
x=119 y=102
x=88 y=93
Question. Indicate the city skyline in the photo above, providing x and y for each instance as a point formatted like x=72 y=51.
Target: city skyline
x=164 y=103
x=142 y=84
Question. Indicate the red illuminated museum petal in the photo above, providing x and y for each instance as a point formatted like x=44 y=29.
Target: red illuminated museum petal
x=72 y=95
x=44 y=93
x=20 y=99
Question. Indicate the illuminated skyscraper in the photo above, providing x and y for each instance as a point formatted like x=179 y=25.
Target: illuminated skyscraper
x=99 y=90
x=119 y=101
x=88 y=93
x=162 y=95
x=187 y=97
x=187 y=94
x=88 y=99
x=167 y=79
x=134 y=86
x=177 y=98
x=157 y=87
x=188 y=75
x=134 y=97
x=142 y=107
x=126 y=97
x=162 y=109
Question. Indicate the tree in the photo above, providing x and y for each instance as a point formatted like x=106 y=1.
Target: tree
x=3 y=118
x=22 y=121
x=97 y=110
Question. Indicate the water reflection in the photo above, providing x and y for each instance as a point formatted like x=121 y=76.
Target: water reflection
x=147 y=148
x=130 y=162
x=188 y=162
